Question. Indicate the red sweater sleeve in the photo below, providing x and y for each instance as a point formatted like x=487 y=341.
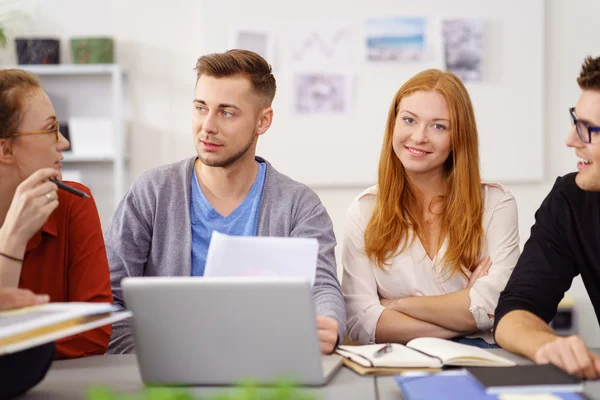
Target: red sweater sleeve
x=88 y=276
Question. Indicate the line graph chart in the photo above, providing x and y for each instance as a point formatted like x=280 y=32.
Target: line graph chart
x=322 y=44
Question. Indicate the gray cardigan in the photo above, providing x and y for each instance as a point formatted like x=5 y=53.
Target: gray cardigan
x=150 y=235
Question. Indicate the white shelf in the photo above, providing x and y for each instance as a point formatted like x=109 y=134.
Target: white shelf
x=70 y=69
x=82 y=158
x=105 y=78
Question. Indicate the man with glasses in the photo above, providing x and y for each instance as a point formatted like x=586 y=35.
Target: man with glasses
x=564 y=242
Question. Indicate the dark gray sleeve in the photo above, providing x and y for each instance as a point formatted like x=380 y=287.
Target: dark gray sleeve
x=327 y=295
x=127 y=241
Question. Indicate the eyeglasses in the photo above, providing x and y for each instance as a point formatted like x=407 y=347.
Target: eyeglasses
x=584 y=131
x=54 y=130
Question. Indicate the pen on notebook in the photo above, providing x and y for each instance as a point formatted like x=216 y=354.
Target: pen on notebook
x=385 y=349
x=70 y=189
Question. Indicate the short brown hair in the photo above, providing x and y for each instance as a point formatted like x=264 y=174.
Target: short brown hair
x=15 y=86
x=589 y=78
x=240 y=62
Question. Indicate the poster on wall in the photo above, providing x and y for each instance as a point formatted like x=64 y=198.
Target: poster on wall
x=327 y=45
x=260 y=41
x=395 y=38
x=463 y=47
x=322 y=93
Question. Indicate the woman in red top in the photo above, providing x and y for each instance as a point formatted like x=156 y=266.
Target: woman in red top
x=53 y=241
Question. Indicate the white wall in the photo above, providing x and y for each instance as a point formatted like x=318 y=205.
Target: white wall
x=358 y=136
x=160 y=43
x=570 y=36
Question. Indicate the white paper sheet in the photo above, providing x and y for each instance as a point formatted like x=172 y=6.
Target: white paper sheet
x=533 y=396
x=258 y=40
x=322 y=93
x=261 y=256
x=464 y=47
x=63 y=333
x=24 y=319
x=317 y=46
x=396 y=39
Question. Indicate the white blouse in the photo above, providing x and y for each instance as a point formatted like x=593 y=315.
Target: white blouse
x=413 y=273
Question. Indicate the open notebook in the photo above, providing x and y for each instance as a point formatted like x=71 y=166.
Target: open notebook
x=32 y=326
x=423 y=353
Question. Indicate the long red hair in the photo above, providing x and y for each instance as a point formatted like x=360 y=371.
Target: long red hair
x=398 y=216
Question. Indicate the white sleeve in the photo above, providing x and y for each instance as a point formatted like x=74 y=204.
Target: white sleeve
x=359 y=286
x=502 y=244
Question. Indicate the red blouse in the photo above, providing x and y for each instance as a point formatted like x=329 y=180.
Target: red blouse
x=67 y=260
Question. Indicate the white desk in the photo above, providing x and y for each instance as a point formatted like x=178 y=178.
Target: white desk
x=72 y=379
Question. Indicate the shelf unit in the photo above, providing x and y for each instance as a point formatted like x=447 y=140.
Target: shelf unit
x=71 y=158
x=81 y=90
x=71 y=69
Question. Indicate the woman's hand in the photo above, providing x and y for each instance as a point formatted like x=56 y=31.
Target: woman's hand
x=481 y=270
x=34 y=200
x=11 y=298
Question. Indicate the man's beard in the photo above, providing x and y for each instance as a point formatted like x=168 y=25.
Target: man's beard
x=229 y=160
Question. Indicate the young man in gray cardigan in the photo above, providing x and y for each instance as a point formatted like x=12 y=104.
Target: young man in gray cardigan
x=162 y=227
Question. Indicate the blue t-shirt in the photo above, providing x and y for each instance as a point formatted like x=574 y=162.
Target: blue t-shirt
x=243 y=221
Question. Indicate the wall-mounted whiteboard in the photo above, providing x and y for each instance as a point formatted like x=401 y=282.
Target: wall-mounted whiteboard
x=340 y=149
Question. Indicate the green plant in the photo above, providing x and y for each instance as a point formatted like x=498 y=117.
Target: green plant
x=246 y=391
x=2 y=38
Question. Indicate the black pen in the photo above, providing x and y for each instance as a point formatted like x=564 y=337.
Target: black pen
x=70 y=189
x=385 y=349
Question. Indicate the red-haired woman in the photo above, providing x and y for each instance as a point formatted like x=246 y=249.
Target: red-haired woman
x=428 y=250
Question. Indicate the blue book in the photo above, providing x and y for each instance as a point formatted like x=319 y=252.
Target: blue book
x=453 y=385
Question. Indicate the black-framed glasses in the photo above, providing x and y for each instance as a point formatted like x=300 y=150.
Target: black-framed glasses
x=584 y=131
x=55 y=130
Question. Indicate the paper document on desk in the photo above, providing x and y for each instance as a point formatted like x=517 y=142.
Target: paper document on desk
x=257 y=256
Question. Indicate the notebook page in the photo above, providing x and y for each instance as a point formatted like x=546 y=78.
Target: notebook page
x=452 y=353
x=400 y=357
x=59 y=331
x=23 y=319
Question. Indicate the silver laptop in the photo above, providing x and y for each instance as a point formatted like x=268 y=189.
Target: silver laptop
x=223 y=331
